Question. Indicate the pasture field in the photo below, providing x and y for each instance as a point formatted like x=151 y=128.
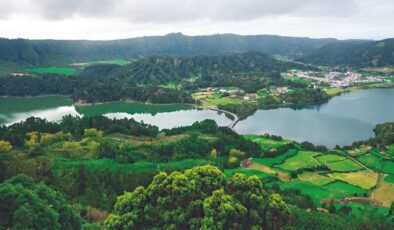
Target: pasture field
x=270 y=161
x=54 y=70
x=344 y=166
x=344 y=189
x=389 y=179
x=315 y=178
x=266 y=143
x=317 y=193
x=371 y=161
x=303 y=159
x=388 y=167
x=249 y=172
x=218 y=99
x=384 y=194
x=327 y=158
x=357 y=152
x=390 y=149
x=262 y=93
x=365 y=179
x=281 y=175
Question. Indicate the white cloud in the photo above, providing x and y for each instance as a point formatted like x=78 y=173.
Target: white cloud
x=110 y=19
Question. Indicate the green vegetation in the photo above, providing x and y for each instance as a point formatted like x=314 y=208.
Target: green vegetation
x=364 y=179
x=315 y=178
x=344 y=166
x=354 y=53
x=54 y=70
x=204 y=198
x=270 y=161
x=327 y=158
x=345 y=189
x=389 y=178
x=303 y=159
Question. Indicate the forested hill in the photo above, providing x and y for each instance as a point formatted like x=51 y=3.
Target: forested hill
x=164 y=69
x=354 y=54
x=21 y=53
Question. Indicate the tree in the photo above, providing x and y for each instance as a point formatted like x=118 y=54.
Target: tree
x=28 y=205
x=92 y=132
x=198 y=198
x=5 y=146
x=222 y=211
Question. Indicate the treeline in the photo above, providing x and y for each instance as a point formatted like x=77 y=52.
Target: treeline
x=16 y=133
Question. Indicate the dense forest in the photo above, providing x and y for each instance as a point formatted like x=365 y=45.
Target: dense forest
x=94 y=173
x=20 y=53
x=354 y=54
x=144 y=80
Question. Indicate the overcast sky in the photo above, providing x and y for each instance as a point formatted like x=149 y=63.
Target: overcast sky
x=113 y=19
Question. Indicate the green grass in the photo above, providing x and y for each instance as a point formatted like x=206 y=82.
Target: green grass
x=303 y=159
x=326 y=158
x=218 y=99
x=70 y=165
x=266 y=143
x=344 y=166
x=248 y=172
x=390 y=149
x=54 y=70
x=270 y=161
x=389 y=179
x=344 y=189
x=315 y=178
x=262 y=93
x=365 y=179
x=371 y=161
x=317 y=193
x=388 y=167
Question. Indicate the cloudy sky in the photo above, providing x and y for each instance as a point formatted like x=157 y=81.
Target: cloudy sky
x=113 y=19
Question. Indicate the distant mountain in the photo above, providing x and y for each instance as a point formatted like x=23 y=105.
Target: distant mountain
x=354 y=54
x=21 y=53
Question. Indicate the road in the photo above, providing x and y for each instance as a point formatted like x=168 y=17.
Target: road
x=233 y=122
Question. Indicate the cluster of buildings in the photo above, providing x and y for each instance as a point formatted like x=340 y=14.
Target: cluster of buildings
x=334 y=79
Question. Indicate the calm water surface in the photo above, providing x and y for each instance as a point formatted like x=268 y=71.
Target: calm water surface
x=341 y=121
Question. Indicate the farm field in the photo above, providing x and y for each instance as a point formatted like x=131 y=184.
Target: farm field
x=315 y=178
x=384 y=194
x=317 y=193
x=214 y=99
x=365 y=179
x=371 y=161
x=303 y=159
x=54 y=70
x=344 y=166
x=345 y=189
x=265 y=142
x=327 y=158
x=270 y=161
x=249 y=172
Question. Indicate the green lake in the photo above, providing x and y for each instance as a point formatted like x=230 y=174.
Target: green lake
x=342 y=120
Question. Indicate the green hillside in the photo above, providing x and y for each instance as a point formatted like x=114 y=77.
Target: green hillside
x=354 y=54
